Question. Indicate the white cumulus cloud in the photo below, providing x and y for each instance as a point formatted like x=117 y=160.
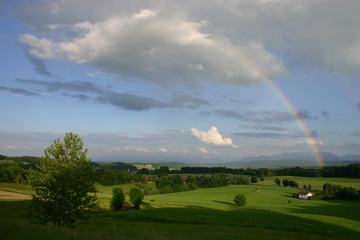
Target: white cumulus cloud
x=147 y=45
x=212 y=137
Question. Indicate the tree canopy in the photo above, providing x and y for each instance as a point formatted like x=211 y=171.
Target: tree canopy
x=118 y=198
x=64 y=184
x=136 y=197
x=240 y=200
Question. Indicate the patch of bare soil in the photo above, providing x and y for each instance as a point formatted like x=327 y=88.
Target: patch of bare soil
x=13 y=196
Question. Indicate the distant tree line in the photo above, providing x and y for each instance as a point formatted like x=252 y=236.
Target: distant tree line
x=212 y=170
x=332 y=191
x=12 y=172
x=351 y=171
x=171 y=183
x=176 y=183
x=215 y=180
x=25 y=162
x=14 y=169
x=114 y=177
x=115 y=166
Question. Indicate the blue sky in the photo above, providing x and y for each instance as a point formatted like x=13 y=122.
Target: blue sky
x=161 y=80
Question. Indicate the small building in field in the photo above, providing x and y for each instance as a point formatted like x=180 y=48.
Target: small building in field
x=184 y=179
x=305 y=195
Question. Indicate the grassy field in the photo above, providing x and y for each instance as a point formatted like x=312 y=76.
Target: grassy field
x=202 y=214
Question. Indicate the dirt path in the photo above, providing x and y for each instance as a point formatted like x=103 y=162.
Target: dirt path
x=13 y=196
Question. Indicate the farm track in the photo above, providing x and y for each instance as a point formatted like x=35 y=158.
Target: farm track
x=13 y=196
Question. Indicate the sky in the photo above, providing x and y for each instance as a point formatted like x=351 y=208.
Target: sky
x=194 y=81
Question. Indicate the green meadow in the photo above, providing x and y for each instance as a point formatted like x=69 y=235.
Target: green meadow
x=208 y=213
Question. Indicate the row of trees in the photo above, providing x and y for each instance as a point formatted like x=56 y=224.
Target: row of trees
x=286 y=183
x=332 y=191
x=13 y=172
x=109 y=177
x=352 y=170
x=244 y=180
x=215 y=180
x=176 y=183
x=172 y=183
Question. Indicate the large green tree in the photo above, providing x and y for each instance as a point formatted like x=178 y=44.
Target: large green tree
x=64 y=184
x=240 y=200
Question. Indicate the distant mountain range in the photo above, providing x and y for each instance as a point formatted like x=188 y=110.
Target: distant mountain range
x=296 y=159
x=300 y=159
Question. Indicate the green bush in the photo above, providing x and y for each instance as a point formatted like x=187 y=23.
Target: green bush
x=240 y=200
x=118 y=198
x=254 y=179
x=136 y=197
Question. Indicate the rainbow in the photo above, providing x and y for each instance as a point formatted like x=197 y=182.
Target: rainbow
x=310 y=139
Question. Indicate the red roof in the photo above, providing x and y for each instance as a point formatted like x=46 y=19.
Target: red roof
x=127 y=208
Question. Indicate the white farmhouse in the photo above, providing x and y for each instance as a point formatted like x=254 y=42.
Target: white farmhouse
x=305 y=195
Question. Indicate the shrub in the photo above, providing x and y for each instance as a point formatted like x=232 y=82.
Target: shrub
x=285 y=182
x=136 y=197
x=277 y=181
x=292 y=183
x=240 y=200
x=254 y=179
x=117 y=200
